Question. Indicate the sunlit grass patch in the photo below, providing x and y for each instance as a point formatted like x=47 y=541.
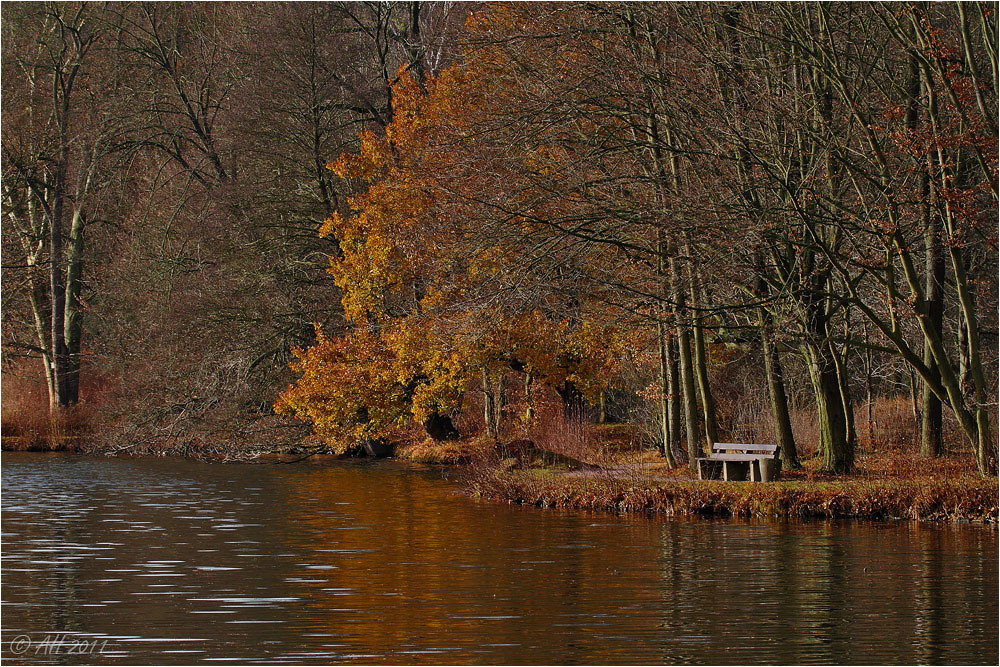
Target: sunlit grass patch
x=443 y=452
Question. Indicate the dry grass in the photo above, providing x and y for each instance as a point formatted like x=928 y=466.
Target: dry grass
x=570 y=436
x=446 y=452
x=27 y=424
x=958 y=499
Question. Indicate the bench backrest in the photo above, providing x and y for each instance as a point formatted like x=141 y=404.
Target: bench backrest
x=771 y=450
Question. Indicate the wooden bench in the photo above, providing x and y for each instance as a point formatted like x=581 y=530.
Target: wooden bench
x=739 y=462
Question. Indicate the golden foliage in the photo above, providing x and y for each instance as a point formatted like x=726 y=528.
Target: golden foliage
x=406 y=262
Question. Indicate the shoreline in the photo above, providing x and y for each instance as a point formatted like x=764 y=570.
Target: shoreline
x=950 y=500
x=954 y=501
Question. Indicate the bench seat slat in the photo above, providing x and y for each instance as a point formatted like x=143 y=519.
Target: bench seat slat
x=728 y=446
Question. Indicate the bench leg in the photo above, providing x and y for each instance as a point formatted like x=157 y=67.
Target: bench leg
x=755 y=471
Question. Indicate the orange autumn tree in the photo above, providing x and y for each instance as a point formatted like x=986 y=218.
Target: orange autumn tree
x=423 y=287
x=392 y=366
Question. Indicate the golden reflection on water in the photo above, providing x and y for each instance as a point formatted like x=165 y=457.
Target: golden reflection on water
x=388 y=563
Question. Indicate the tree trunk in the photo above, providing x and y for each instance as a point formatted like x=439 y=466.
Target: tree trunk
x=846 y=399
x=668 y=406
x=38 y=308
x=688 y=397
x=74 y=315
x=440 y=427
x=700 y=351
x=930 y=404
x=529 y=410
x=572 y=400
x=704 y=388
x=674 y=396
x=489 y=407
x=500 y=401
x=869 y=397
x=40 y=316
x=934 y=274
x=834 y=447
x=985 y=448
x=57 y=292
x=666 y=444
x=494 y=399
x=31 y=233
x=963 y=351
x=776 y=391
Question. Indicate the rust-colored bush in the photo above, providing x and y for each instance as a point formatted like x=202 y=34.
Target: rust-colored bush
x=569 y=435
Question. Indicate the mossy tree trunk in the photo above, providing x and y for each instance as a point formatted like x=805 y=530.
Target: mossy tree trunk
x=834 y=444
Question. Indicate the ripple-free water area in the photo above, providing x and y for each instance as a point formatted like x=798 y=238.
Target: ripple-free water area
x=170 y=561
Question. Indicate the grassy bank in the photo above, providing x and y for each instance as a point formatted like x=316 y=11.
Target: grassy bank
x=944 y=500
x=945 y=489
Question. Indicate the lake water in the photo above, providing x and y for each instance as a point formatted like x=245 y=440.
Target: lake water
x=168 y=561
